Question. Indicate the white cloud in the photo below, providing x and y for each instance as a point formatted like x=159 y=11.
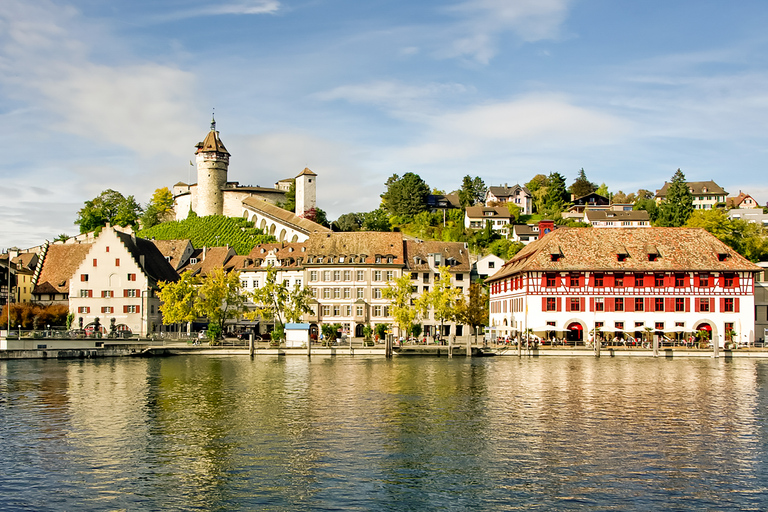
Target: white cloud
x=484 y=21
x=241 y=7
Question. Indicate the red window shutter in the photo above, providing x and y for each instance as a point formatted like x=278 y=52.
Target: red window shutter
x=609 y=280
x=544 y=280
x=712 y=305
x=543 y=303
x=592 y=280
x=88 y=309
x=696 y=305
x=138 y=309
x=736 y=280
x=687 y=304
x=721 y=280
x=558 y=280
x=649 y=304
x=94 y=262
x=696 y=281
x=722 y=304
x=610 y=306
x=591 y=303
x=82 y=277
x=736 y=304
x=125 y=309
x=669 y=304
x=581 y=304
x=567 y=304
x=559 y=304
x=90 y=293
x=669 y=280
x=687 y=280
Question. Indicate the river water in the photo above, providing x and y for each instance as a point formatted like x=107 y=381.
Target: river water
x=356 y=433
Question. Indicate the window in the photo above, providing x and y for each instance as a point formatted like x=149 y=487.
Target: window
x=361 y=293
x=679 y=280
x=129 y=293
x=107 y=309
x=551 y=304
x=619 y=326
x=550 y=280
x=107 y=249
x=337 y=293
x=84 y=277
x=117 y=262
x=618 y=280
x=132 y=308
x=679 y=304
x=728 y=305
x=378 y=259
x=337 y=275
x=347 y=310
x=728 y=281
x=347 y=275
x=86 y=293
x=336 y=310
x=107 y=294
x=359 y=311
x=377 y=275
x=658 y=304
x=704 y=280
x=94 y=262
x=390 y=259
x=376 y=310
x=131 y=277
x=703 y=305
x=573 y=280
x=361 y=275
x=325 y=310
x=659 y=326
x=326 y=293
x=314 y=292
x=390 y=275
x=575 y=304
x=658 y=280
x=639 y=304
x=598 y=280
x=84 y=309
x=326 y=275
x=414 y=275
x=639 y=280
x=618 y=304
x=347 y=293
x=599 y=304
x=377 y=293
x=491 y=264
x=313 y=275
x=298 y=282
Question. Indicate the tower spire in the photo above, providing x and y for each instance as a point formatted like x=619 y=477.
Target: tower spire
x=213 y=122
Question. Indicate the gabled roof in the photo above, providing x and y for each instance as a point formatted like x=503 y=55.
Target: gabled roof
x=284 y=216
x=591 y=215
x=356 y=244
x=525 y=229
x=455 y=255
x=215 y=257
x=678 y=249
x=60 y=263
x=496 y=212
x=306 y=172
x=173 y=250
x=697 y=188
x=735 y=202
x=506 y=191
x=212 y=143
x=154 y=264
x=287 y=254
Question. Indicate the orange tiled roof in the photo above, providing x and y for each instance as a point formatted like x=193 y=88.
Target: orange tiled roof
x=61 y=261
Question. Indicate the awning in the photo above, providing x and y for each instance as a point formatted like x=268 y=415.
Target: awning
x=575 y=326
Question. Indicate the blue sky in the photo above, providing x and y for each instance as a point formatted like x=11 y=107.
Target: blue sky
x=99 y=94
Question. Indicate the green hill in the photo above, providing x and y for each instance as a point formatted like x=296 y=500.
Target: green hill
x=211 y=231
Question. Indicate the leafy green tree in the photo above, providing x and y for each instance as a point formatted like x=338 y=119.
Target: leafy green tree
x=746 y=238
x=406 y=196
x=63 y=237
x=220 y=297
x=376 y=220
x=473 y=311
x=381 y=330
x=399 y=292
x=290 y=198
x=472 y=191
x=675 y=210
x=442 y=298
x=581 y=185
x=179 y=299
x=108 y=207
x=159 y=208
x=504 y=248
x=537 y=182
x=349 y=222
x=602 y=190
x=557 y=197
x=281 y=304
x=621 y=198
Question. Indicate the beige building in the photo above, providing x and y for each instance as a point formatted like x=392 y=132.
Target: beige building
x=706 y=194
x=117 y=282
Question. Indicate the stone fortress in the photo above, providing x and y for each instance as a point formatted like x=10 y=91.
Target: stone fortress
x=213 y=194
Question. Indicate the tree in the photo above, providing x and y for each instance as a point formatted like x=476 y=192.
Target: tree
x=675 y=210
x=406 y=196
x=376 y=220
x=557 y=197
x=349 y=222
x=582 y=186
x=159 y=209
x=474 y=310
x=602 y=190
x=179 y=299
x=403 y=311
x=220 y=297
x=277 y=302
x=621 y=198
x=442 y=298
x=645 y=201
x=108 y=207
x=290 y=198
x=472 y=191
x=746 y=238
x=537 y=182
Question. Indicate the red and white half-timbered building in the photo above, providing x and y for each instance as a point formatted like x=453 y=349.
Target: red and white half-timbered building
x=622 y=282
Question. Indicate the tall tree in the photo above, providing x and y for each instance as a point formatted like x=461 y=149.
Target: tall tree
x=402 y=307
x=220 y=297
x=348 y=222
x=472 y=191
x=557 y=197
x=582 y=186
x=376 y=220
x=473 y=311
x=677 y=207
x=276 y=301
x=442 y=298
x=108 y=207
x=159 y=209
x=290 y=198
x=406 y=196
x=179 y=299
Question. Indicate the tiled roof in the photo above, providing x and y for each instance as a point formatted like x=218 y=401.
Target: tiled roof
x=211 y=143
x=591 y=215
x=497 y=212
x=697 y=188
x=525 y=229
x=289 y=254
x=173 y=249
x=453 y=254
x=679 y=249
x=735 y=202
x=306 y=172
x=357 y=244
x=215 y=257
x=507 y=191
x=290 y=219
x=61 y=261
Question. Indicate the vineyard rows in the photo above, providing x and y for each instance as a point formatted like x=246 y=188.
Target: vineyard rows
x=211 y=231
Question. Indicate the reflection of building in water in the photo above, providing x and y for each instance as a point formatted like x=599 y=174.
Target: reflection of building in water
x=625 y=283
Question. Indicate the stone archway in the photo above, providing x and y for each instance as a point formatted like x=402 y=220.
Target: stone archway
x=272 y=229
x=282 y=235
x=263 y=224
x=359 y=331
x=574 y=332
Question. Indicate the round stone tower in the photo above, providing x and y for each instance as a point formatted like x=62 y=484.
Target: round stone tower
x=212 y=165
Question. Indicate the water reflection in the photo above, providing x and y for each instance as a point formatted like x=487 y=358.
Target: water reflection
x=406 y=434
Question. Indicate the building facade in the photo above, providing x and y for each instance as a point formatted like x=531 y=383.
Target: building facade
x=575 y=282
x=706 y=194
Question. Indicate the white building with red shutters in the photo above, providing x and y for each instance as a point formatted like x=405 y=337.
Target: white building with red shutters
x=624 y=282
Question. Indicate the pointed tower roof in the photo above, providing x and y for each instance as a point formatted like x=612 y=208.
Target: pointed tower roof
x=306 y=172
x=212 y=142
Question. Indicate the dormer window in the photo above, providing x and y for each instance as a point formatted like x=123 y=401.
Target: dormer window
x=378 y=259
x=722 y=256
x=390 y=259
x=193 y=261
x=341 y=259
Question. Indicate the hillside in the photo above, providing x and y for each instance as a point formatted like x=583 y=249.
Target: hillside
x=211 y=231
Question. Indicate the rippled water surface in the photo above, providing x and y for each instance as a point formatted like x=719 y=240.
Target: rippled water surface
x=231 y=433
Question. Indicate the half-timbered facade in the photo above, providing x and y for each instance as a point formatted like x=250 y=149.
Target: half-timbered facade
x=577 y=281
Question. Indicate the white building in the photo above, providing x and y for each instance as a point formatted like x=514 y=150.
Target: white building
x=624 y=281
x=706 y=194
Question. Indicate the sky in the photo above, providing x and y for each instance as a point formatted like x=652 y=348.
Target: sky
x=114 y=94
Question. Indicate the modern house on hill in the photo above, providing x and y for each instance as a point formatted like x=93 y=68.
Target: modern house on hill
x=517 y=195
x=622 y=282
